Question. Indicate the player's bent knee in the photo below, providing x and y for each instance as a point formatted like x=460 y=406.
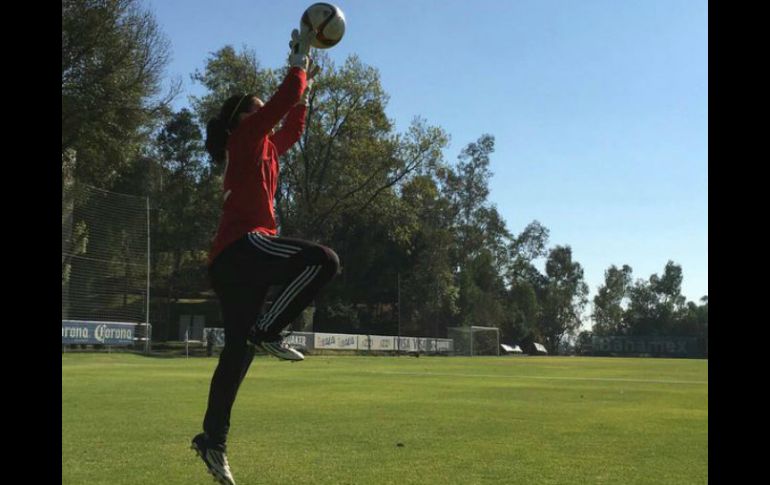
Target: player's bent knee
x=323 y=256
x=332 y=263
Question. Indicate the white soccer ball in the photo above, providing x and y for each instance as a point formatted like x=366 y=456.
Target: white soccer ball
x=328 y=23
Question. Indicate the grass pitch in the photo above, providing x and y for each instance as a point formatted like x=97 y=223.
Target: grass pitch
x=128 y=419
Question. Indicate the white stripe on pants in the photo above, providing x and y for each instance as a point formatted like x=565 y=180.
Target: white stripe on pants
x=288 y=294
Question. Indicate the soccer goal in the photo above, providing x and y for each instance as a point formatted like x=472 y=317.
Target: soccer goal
x=475 y=340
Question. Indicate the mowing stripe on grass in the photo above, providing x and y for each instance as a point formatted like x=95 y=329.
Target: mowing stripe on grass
x=606 y=379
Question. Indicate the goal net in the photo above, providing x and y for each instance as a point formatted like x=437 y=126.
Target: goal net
x=474 y=340
x=105 y=255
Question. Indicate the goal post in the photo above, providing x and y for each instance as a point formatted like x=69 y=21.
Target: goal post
x=475 y=340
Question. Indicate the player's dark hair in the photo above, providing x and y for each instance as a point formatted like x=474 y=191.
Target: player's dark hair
x=218 y=129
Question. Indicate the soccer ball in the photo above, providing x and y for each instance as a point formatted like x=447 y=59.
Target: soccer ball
x=327 y=21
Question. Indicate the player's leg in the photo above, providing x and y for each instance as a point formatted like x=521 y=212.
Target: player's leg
x=307 y=267
x=241 y=304
x=240 y=308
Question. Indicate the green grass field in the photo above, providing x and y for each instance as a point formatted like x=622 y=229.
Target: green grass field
x=128 y=419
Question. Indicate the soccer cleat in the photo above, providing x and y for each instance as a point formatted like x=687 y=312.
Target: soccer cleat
x=279 y=349
x=215 y=460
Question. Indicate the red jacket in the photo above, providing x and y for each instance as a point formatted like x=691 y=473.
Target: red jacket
x=251 y=173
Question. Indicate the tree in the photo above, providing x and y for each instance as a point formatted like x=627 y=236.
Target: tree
x=563 y=297
x=482 y=292
x=430 y=292
x=479 y=253
x=524 y=249
x=656 y=306
x=520 y=323
x=477 y=224
x=349 y=155
x=524 y=282
x=187 y=200
x=113 y=57
x=696 y=319
x=608 y=302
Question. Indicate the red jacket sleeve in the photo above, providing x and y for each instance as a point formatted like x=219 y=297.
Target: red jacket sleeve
x=291 y=130
x=288 y=94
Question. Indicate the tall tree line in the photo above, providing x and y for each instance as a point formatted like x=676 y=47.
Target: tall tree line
x=419 y=240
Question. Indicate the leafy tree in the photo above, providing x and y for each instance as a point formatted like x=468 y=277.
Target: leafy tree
x=563 y=297
x=656 y=306
x=113 y=58
x=608 y=302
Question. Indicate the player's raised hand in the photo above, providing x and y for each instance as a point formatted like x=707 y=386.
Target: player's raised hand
x=299 y=46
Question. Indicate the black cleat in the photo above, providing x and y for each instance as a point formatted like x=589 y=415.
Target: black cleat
x=214 y=458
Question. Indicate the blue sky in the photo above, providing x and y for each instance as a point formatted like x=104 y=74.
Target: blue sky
x=599 y=108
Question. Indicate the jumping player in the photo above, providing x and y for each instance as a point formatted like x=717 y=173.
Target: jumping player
x=247 y=255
